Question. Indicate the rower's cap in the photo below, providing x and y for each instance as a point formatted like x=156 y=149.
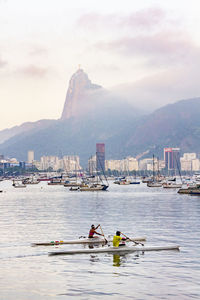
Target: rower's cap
x=118 y=232
x=92 y=226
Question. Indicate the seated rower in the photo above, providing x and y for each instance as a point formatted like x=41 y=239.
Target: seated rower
x=93 y=231
x=117 y=239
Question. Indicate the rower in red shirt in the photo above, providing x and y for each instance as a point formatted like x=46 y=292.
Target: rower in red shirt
x=93 y=231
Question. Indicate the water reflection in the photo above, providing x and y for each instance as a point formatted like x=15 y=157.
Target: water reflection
x=94 y=258
x=120 y=259
x=116 y=260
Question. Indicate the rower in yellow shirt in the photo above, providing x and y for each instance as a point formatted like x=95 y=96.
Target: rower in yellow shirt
x=117 y=239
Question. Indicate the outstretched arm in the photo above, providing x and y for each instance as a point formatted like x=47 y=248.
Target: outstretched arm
x=97 y=233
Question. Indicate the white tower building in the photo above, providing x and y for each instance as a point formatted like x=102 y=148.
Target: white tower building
x=30 y=156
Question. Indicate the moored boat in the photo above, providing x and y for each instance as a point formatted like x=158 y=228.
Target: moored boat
x=154 y=184
x=126 y=181
x=90 y=187
x=18 y=184
x=30 y=181
x=69 y=183
x=74 y=188
x=172 y=185
x=122 y=249
x=94 y=187
x=56 y=181
x=155 y=179
x=191 y=190
x=171 y=178
x=147 y=179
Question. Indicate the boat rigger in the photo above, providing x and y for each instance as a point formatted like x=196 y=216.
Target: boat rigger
x=97 y=240
x=122 y=249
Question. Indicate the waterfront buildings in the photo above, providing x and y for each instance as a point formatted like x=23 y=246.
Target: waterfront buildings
x=195 y=165
x=92 y=165
x=147 y=164
x=125 y=165
x=68 y=163
x=113 y=164
x=49 y=162
x=190 y=162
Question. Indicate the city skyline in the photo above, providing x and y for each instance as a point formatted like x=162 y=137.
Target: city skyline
x=150 y=44
x=171 y=161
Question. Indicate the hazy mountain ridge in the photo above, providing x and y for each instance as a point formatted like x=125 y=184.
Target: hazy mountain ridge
x=71 y=136
x=174 y=125
x=92 y=114
x=8 y=133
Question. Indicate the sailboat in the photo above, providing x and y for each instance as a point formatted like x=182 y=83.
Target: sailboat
x=93 y=186
x=135 y=181
x=154 y=182
x=172 y=183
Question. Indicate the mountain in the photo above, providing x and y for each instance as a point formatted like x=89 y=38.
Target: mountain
x=69 y=137
x=174 y=125
x=80 y=87
x=23 y=128
x=92 y=114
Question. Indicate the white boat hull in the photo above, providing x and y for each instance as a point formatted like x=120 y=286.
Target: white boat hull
x=154 y=184
x=172 y=186
x=19 y=186
x=85 y=241
x=122 y=249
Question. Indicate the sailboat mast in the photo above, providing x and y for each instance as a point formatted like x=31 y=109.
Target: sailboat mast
x=153 y=169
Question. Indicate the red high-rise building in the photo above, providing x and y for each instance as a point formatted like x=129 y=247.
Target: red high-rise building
x=100 y=157
x=172 y=158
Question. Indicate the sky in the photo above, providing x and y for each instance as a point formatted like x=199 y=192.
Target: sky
x=147 y=50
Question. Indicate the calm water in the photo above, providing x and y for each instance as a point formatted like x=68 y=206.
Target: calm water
x=43 y=213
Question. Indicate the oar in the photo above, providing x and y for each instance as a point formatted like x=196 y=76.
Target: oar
x=132 y=240
x=103 y=234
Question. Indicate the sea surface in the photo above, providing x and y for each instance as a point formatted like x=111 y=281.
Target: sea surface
x=42 y=213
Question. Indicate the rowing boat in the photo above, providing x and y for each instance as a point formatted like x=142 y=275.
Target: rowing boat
x=85 y=240
x=122 y=249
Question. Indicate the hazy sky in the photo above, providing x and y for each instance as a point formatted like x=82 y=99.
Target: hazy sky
x=153 y=44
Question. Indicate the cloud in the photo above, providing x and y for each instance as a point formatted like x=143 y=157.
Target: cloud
x=162 y=88
x=94 y=21
x=38 y=51
x=160 y=48
x=105 y=67
x=145 y=19
x=151 y=35
x=33 y=71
